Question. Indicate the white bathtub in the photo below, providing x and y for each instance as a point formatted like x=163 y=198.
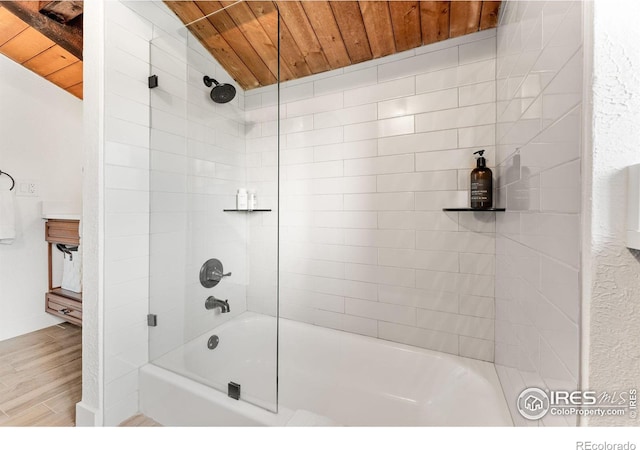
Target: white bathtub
x=326 y=377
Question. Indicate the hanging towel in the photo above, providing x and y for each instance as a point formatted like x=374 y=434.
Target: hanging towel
x=72 y=271
x=7 y=218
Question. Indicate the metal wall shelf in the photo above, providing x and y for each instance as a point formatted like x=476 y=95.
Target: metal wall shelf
x=474 y=209
x=246 y=210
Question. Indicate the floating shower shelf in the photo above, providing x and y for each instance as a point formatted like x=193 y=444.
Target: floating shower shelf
x=246 y=210
x=474 y=209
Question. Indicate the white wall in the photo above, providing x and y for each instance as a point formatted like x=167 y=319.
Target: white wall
x=370 y=154
x=40 y=139
x=612 y=292
x=539 y=126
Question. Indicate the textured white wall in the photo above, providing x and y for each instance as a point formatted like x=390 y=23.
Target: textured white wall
x=538 y=137
x=40 y=139
x=612 y=300
x=370 y=154
x=89 y=412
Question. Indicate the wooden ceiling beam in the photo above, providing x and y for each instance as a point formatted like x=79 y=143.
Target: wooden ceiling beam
x=68 y=36
x=62 y=11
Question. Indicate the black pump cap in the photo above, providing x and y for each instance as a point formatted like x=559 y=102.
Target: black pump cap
x=482 y=162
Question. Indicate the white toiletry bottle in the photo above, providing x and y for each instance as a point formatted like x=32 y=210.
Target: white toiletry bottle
x=242 y=201
x=252 y=200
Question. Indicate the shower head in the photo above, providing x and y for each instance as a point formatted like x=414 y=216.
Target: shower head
x=221 y=93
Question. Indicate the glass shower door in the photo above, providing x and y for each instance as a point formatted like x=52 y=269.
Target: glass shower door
x=213 y=264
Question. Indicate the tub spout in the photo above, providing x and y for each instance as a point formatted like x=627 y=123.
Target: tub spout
x=213 y=303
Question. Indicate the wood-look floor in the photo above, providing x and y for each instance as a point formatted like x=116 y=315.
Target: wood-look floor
x=41 y=377
x=140 y=420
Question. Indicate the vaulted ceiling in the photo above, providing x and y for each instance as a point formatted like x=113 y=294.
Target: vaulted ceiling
x=46 y=38
x=317 y=36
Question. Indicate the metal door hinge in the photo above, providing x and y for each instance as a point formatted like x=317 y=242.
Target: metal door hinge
x=153 y=81
x=152 y=320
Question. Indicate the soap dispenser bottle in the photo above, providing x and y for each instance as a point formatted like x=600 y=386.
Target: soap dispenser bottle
x=481 y=184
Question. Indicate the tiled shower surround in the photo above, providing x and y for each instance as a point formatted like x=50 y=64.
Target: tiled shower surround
x=370 y=155
x=539 y=98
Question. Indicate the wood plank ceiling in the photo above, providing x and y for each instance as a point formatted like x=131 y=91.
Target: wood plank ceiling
x=318 y=35
x=26 y=44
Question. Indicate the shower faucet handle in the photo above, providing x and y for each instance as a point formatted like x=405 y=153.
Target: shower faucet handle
x=212 y=272
x=216 y=274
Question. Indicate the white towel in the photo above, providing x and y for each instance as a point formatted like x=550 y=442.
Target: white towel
x=72 y=272
x=7 y=218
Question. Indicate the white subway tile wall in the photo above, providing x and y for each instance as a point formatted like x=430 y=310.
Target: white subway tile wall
x=194 y=179
x=538 y=147
x=370 y=156
x=173 y=162
x=126 y=178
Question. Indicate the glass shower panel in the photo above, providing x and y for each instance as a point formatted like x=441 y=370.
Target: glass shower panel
x=214 y=267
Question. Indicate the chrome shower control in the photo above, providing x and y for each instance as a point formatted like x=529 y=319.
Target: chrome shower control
x=212 y=272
